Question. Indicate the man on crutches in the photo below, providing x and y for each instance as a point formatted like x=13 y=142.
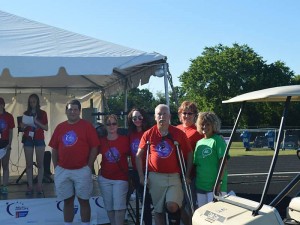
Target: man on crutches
x=164 y=180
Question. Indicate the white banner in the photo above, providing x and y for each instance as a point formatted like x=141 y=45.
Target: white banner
x=47 y=211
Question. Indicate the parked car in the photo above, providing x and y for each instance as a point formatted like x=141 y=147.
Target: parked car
x=260 y=142
x=290 y=142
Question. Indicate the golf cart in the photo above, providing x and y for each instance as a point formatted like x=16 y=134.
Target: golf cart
x=260 y=142
x=290 y=142
x=293 y=210
x=235 y=210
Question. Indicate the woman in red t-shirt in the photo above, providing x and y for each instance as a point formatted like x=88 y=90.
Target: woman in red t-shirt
x=187 y=113
x=113 y=174
x=33 y=138
x=138 y=123
x=6 y=132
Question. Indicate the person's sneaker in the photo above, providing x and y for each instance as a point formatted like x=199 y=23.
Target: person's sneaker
x=39 y=190
x=29 y=191
x=4 y=190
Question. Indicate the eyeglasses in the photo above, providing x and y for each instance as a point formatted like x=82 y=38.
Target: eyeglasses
x=111 y=124
x=135 y=118
x=187 y=113
x=73 y=110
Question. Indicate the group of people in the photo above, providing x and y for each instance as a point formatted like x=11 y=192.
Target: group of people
x=154 y=150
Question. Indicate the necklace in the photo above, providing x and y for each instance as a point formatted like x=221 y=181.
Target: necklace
x=164 y=133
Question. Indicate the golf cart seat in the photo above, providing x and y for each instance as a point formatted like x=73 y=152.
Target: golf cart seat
x=235 y=212
x=293 y=210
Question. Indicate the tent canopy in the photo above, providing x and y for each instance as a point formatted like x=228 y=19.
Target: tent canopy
x=35 y=55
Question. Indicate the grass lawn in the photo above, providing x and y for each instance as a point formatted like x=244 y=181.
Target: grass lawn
x=237 y=149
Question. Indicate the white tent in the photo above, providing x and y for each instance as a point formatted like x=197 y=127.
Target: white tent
x=37 y=55
x=58 y=65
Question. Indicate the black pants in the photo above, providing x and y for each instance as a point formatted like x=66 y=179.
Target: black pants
x=140 y=191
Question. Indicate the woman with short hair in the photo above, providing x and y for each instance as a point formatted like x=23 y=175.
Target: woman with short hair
x=113 y=174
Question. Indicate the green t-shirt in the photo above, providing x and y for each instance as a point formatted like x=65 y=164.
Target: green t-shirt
x=207 y=155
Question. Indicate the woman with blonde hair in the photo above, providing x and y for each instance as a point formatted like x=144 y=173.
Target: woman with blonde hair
x=208 y=155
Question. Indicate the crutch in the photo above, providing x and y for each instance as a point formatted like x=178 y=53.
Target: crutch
x=145 y=182
x=189 y=186
x=183 y=171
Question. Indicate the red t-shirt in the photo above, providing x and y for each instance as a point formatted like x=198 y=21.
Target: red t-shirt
x=163 y=152
x=192 y=134
x=114 y=164
x=73 y=142
x=38 y=132
x=134 y=141
x=6 y=123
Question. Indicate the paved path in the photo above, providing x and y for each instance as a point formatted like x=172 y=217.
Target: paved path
x=247 y=176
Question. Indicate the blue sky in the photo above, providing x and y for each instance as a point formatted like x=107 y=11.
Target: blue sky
x=178 y=29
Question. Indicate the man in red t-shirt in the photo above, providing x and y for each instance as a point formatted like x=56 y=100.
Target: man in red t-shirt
x=163 y=165
x=74 y=149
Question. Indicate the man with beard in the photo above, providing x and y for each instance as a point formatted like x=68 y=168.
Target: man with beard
x=164 y=169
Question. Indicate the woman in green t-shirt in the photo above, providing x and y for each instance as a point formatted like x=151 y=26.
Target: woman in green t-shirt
x=208 y=156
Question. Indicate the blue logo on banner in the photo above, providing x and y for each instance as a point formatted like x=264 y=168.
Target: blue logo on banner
x=70 y=138
x=98 y=203
x=17 y=209
x=59 y=206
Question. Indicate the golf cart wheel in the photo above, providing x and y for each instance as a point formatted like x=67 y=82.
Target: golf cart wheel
x=290 y=222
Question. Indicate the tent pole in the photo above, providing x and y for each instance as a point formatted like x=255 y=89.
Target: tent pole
x=125 y=106
x=166 y=84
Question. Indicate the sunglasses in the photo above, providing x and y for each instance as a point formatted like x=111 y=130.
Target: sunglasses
x=135 y=118
x=187 y=113
x=111 y=124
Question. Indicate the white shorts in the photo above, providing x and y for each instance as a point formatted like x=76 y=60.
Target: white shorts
x=203 y=199
x=114 y=193
x=77 y=182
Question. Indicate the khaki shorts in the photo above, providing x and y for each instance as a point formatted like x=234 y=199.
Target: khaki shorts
x=114 y=193
x=165 y=188
x=77 y=182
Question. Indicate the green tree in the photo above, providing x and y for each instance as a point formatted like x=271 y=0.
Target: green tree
x=141 y=98
x=136 y=98
x=296 y=80
x=223 y=72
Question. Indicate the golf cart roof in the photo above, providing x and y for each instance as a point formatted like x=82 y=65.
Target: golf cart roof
x=275 y=94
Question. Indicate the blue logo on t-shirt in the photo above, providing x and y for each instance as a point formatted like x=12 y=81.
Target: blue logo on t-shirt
x=69 y=138
x=206 y=152
x=163 y=149
x=113 y=155
x=134 y=146
x=3 y=125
